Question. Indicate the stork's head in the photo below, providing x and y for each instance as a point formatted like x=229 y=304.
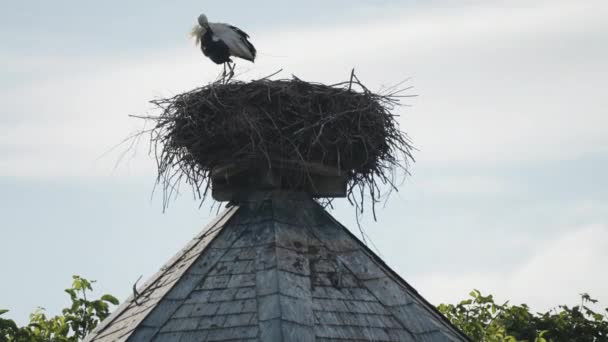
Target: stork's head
x=202 y=20
x=199 y=30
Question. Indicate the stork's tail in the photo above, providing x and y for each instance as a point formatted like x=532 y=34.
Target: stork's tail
x=251 y=49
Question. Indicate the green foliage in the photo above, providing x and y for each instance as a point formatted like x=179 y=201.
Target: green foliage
x=479 y=316
x=75 y=322
x=482 y=319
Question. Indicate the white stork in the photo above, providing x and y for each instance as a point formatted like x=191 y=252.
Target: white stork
x=221 y=41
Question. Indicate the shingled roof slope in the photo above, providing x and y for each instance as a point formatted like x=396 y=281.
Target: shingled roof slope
x=276 y=268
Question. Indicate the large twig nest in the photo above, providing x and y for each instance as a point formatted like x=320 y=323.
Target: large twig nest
x=283 y=125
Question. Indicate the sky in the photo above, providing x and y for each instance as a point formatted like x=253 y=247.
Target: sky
x=508 y=194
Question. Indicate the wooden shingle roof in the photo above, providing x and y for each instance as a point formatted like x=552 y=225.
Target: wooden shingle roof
x=276 y=268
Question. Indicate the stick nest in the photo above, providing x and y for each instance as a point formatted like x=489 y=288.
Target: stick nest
x=284 y=124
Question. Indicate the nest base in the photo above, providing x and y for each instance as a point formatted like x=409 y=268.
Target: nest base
x=231 y=182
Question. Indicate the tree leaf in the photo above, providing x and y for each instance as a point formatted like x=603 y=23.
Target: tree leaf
x=110 y=299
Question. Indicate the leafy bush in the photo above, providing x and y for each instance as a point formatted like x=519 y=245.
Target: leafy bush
x=479 y=316
x=73 y=325
x=482 y=319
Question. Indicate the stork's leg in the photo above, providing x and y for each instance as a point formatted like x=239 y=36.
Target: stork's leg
x=231 y=72
x=224 y=73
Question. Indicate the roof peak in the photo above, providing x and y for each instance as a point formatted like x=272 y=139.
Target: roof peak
x=270 y=269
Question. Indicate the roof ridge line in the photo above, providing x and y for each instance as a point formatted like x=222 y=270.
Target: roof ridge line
x=226 y=214
x=207 y=274
x=396 y=278
x=278 y=283
x=344 y=264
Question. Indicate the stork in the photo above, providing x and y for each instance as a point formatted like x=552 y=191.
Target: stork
x=220 y=41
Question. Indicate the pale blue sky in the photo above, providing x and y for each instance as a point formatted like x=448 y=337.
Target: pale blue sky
x=508 y=194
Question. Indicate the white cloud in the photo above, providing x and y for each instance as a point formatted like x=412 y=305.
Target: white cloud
x=498 y=83
x=469 y=185
x=557 y=273
x=513 y=81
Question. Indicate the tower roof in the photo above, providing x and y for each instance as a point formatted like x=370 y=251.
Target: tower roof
x=277 y=267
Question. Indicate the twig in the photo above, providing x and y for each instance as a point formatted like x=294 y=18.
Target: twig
x=136 y=294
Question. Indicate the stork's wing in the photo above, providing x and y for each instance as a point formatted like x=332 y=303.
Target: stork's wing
x=245 y=40
x=239 y=31
x=236 y=39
